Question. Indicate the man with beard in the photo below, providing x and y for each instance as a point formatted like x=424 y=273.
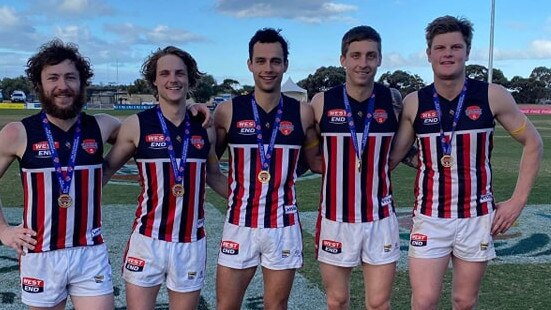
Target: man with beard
x=264 y=132
x=175 y=158
x=60 y=154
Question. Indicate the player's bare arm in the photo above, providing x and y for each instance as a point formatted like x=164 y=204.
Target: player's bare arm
x=215 y=178
x=222 y=122
x=124 y=148
x=109 y=127
x=311 y=142
x=521 y=129
x=13 y=140
x=406 y=134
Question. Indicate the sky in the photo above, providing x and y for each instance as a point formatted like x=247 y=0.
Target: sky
x=117 y=36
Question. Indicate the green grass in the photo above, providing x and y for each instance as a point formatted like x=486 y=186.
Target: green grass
x=506 y=286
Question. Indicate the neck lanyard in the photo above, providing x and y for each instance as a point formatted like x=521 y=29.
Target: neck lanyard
x=266 y=155
x=352 y=127
x=178 y=170
x=64 y=178
x=447 y=160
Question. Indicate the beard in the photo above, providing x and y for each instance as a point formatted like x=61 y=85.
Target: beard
x=48 y=105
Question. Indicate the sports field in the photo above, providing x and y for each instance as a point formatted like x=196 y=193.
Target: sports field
x=518 y=279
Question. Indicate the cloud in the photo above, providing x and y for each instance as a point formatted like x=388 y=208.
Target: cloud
x=72 y=9
x=307 y=11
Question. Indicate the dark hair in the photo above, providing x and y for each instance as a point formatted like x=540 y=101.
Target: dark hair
x=149 y=68
x=359 y=33
x=53 y=53
x=269 y=35
x=446 y=24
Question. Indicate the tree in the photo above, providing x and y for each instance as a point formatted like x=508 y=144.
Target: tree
x=245 y=89
x=228 y=86
x=205 y=88
x=542 y=74
x=323 y=79
x=8 y=85
x=480 y=73
x=402 y=81
x=140 y=86
x=527 y=90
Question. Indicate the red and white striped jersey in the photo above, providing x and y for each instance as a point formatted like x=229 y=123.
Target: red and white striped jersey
x=349 y=195
x=160 y=214
x=252 y=203
x=56 y=227
x=464 y=189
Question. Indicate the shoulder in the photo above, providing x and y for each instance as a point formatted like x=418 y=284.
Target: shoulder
x=13 y=138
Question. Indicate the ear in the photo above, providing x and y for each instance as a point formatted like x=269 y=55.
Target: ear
x=286 y=64
x=428 y=53
x=342 y=60
x=250 y=65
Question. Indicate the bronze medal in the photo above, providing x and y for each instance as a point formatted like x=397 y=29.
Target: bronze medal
x=446 y=161
x=64 y=201
x=178 y=190
x=264 y=177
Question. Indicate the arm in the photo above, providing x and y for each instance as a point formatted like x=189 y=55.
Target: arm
x=124 y=148
x=109 y=127
x=406 y=135
x=521 y=129
x=310 y=116
x=410 y=158
x=13 y=141
x=222 y=122
x=215 y=178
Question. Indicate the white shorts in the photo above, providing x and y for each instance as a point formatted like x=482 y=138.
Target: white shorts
x=148 y=262
x=469 y=239
x=47 y=278
x=350 y=244
x=273 y=248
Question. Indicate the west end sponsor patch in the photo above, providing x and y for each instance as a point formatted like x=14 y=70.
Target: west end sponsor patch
x=418 y=240
x=337 y=116
x=156 y=141
x=380 y=115
x=286 y=127
x=90 y=146
x=198 y=142
x=332 y=247
x=32 y=285
x=246 y=127
x=473 y=112
x=134 y=264
x=229 y=247
x=429 y=117
x=42 y=149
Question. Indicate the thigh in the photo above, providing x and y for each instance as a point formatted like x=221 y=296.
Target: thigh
x=381 y=241
x=43 y=278
x=145 y=261
x=280 y=248
x=426 y=275
x=339 y=243
x=141 y=298
x=93 y=302
x=378 y=280
x=90 y=271
x=239 y=247
x=336 y=281
x=231 y=285
x=179 y=300
x=467 y=277
x=187 y=266
x=277 y=287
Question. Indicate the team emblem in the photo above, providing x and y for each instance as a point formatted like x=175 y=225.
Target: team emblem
x=90 y=146
x=198 y=142
x=473 y=112
x=380 y=116
x=286 y=127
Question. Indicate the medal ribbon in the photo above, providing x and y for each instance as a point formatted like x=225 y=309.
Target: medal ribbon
x=447 y=145
x=352 y=126
x=178 y=170
x=64 y=178
x=266 y=155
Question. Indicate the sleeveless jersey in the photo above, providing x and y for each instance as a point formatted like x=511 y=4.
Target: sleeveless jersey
x=348 y=195
x=252 y=203
x=160 y=214
x=56 y=227
x=465 y=189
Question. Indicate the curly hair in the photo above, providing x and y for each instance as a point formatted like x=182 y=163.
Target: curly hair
x=53 y=53
x=149 y=68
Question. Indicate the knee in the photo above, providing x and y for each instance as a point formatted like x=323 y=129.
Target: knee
x=424 y=301
x=382 y=303
x=337 y=301
x=464 y=302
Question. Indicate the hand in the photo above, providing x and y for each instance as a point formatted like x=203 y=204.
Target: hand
x=197 y=108
x=18 y=238
x=507 y=213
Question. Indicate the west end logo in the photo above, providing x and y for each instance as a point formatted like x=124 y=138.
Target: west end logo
x=246 y=127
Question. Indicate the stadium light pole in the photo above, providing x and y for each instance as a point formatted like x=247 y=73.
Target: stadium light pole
x=491 y=56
